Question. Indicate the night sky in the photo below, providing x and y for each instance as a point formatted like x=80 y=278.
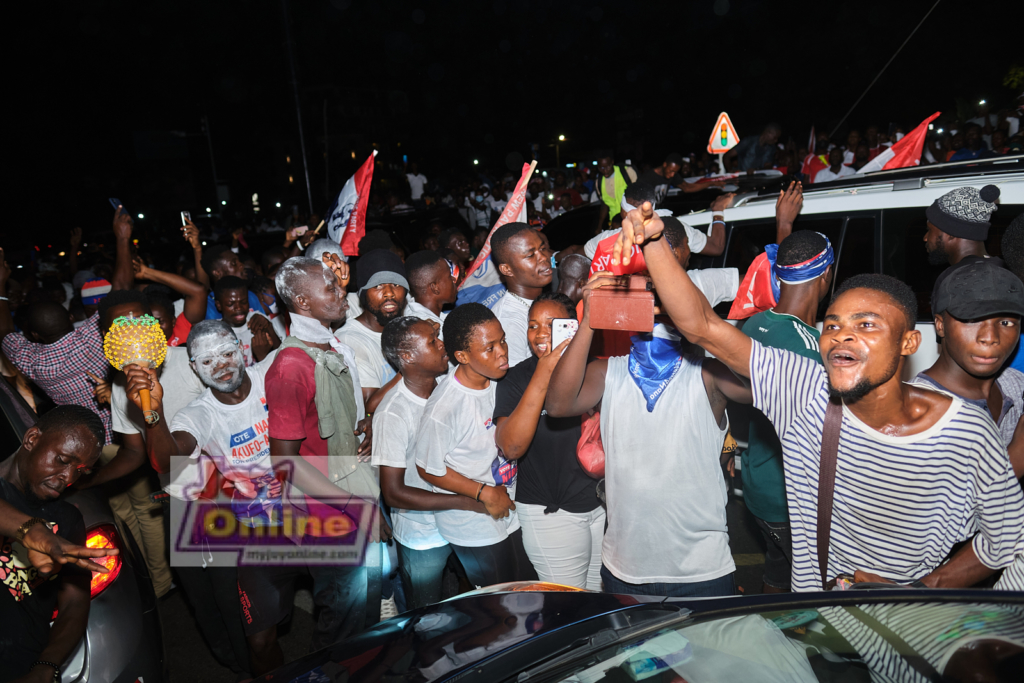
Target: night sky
x=97 y=87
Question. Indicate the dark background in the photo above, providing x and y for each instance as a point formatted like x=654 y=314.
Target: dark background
x=97 y=89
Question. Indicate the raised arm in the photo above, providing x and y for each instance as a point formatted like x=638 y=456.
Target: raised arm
x=515 y=433
x=161 y=444
x=124 y=274
x=685 y=304
x=787 y=208
x=194 y=292
x=577 y=386
x=191 y=234
x=716 y=233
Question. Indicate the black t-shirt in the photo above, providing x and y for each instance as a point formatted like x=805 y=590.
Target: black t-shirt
x=28 y=600
x=652 y=178
x=549 y=473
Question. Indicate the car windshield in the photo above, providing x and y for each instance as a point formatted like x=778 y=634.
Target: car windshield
x=871 y=642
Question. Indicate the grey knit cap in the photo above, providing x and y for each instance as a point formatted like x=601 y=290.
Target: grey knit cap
x=965 y=212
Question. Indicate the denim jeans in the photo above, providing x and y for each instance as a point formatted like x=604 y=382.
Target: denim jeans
x=722 y=586
x=497 y=563
x=422 y=572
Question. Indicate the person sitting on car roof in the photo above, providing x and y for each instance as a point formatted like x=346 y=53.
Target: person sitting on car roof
x=54 y=453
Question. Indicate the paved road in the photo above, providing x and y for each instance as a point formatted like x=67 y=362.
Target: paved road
x=190 y=660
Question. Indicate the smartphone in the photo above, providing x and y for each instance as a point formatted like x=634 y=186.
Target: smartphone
x=185 y=218
x=301 y=230
x=117 y=203
x=562 y=329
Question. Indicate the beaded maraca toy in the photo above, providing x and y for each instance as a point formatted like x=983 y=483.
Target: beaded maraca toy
x=137 y=341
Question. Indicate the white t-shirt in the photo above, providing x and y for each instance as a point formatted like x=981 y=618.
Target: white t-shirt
x=354 y=309
x=395 y=427
x=457 y=431
x=180 y=384
x=826 y=174
x=244 y=335
x=514 y=316
x=420 y=311
x=717 y=284
x=679 y=533
x=232 y=438
x=374 y=369
x=416 y=183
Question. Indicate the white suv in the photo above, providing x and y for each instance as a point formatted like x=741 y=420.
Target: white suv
x=876 y=224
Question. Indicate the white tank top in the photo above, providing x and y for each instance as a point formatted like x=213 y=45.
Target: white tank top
x=665 y=490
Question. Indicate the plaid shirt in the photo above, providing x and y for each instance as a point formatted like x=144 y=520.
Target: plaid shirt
x=59 y=368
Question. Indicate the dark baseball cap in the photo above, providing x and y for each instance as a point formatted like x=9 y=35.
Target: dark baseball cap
x=979 y=289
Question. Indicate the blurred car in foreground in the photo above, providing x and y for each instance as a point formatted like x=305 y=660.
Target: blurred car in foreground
x=123 y=641
x=541 y=632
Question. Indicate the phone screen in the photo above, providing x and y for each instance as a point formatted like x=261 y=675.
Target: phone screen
x=562 y=329
x=116 y=203
x=185 y=218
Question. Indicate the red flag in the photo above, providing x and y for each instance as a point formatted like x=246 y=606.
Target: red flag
x=346 y=219
x=755 y=293
x=812 y=141
x=906 y=152
x=603 y=259
x=513 y=212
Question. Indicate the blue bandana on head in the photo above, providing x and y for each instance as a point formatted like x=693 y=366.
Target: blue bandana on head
x=798 y=273
x=654 y=359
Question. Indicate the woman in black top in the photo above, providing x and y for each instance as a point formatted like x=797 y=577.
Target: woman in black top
x=562 y=519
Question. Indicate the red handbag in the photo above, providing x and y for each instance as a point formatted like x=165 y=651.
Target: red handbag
x=590 y=450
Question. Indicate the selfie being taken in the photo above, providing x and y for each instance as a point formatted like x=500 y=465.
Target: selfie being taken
x=405 y=341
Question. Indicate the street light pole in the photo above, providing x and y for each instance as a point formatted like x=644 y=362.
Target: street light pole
x=298 y=110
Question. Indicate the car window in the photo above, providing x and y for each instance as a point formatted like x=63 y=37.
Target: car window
x=904 y=256
x=866 y=642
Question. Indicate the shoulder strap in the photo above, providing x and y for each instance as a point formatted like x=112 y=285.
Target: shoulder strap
x=827 y=482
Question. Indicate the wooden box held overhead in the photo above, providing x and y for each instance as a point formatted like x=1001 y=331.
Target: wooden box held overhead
x=628 y=307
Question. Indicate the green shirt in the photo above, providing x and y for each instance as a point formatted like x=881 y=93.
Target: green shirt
x=764 y=485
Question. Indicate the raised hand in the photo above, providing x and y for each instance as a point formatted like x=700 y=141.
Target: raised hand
x=639 y=225
x=723 y=202
x=549 y=360
x=789 y=203
x=76 y=238
x=143 y=378
x=339 y=268
x=191 y=234
x=122 y=224
x=140 y=268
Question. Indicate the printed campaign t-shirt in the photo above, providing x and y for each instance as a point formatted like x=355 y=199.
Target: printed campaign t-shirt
x=181 y=386
x=395 y=428
x=457 y=431
x=27 y=600
x=374 y=369
x=234 y=439
x=764 y=484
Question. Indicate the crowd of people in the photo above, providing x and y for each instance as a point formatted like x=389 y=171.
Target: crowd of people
x=367 y=383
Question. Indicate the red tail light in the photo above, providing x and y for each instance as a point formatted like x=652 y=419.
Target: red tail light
x=104 y=536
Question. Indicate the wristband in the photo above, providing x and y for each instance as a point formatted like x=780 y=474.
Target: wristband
x=479 y=491
x=24 y=528
x=56 y=669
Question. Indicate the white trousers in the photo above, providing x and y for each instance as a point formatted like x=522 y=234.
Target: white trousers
x=564 y=547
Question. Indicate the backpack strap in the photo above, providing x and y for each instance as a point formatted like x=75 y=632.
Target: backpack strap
x=827 y=481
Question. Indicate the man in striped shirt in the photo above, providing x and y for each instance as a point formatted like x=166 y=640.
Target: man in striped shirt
x=917 y=471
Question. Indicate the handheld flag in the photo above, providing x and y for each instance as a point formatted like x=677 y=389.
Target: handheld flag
x=346 y=219
x=906 y=152
x=482 y=284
